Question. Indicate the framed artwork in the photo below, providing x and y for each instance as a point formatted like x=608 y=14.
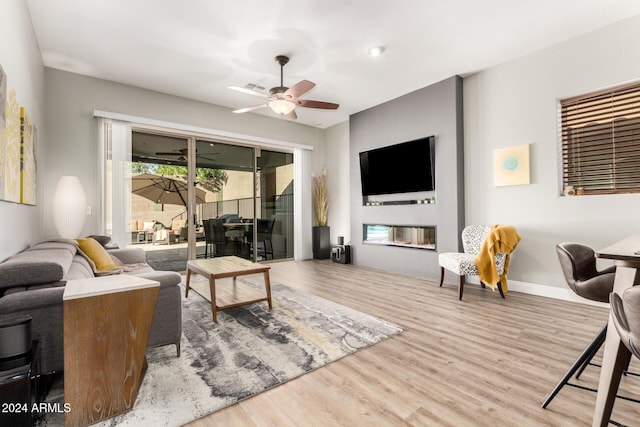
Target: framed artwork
x=27 y=159
x=511 y=165
x=3 y=144
x=3 y=97
x=11 y=149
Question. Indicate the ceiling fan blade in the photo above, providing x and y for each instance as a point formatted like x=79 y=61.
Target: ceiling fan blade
x=247 y=109
x=299 y=89
x=317 y=104
x=249 y=91
x=291 y=116
x=180 y=152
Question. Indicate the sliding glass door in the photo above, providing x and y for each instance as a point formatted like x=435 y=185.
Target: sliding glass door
x=254 y=201
x=180 y=197
x=158 y=221
x=275 y=205
x=227 y=219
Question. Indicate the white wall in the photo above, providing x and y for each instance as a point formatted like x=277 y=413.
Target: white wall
x=338 y=175
x=72 y=135
x=516 y=103
x=20 y=58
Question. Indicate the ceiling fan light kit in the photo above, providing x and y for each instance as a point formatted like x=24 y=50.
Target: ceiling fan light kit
x=283 y=100
x=282 y=106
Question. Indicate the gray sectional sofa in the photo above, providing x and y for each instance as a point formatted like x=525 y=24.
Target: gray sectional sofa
x=32 y=283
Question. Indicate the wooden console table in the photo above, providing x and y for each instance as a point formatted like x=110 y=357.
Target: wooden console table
x=106 y=327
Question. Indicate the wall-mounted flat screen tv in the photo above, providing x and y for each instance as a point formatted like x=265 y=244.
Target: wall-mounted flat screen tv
x=401 y=168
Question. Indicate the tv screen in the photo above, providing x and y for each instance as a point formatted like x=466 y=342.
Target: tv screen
x=400 y=168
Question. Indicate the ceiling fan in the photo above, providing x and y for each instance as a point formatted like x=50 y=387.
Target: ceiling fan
x=283 y=100
x=182 y=154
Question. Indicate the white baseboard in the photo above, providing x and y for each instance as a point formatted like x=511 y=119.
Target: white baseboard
x=565 y=294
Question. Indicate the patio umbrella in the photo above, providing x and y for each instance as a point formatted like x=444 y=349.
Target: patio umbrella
x=163 y=189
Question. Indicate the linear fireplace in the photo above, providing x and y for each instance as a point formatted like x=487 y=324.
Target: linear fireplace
x=406 y=236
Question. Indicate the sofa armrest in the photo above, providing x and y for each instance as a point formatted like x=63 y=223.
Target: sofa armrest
x=165 y=278
x=129 y=255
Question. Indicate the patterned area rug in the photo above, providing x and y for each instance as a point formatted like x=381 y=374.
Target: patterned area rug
x=249 y=350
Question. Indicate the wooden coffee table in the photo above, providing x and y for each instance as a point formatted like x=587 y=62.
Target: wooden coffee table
x=224 y=267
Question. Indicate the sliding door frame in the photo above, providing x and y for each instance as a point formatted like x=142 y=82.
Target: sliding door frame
x=302 y=162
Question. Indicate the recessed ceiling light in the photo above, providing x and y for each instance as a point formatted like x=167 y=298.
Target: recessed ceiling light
x=376 y=50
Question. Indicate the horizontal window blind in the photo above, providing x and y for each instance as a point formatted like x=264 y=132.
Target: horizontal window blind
x=601 y=141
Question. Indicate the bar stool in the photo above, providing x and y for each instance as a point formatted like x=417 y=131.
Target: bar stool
x=578 y=264
x=626 y=318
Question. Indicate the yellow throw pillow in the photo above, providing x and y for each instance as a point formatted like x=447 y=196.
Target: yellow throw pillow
x=96 y=253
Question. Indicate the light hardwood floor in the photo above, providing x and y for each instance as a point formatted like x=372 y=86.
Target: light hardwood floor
x=482 y=361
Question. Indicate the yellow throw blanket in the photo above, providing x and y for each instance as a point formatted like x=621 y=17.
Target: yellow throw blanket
x=501 y=238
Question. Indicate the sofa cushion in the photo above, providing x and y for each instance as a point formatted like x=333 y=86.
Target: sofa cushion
x=81 y=268
x=17 y=289
x=129 y=255
x=68 y=245
x=102 y=239
x=44 y=262
x=177 y=224
x=96 y=253
x=25 y=271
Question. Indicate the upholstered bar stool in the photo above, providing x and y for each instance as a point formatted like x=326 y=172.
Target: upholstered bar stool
x=625 y=312
x=626 y=318
x=578 y=264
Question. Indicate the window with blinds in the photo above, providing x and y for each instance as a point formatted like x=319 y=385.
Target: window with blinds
x=601 y=141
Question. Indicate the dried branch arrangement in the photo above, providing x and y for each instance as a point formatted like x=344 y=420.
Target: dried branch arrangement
x=320 y=203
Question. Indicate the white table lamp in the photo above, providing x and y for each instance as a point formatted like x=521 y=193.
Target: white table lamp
x=69 y=206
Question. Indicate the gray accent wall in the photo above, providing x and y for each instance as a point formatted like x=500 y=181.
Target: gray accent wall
x=434 y=110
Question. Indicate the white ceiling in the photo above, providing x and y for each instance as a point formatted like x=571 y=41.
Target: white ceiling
x=197 y=48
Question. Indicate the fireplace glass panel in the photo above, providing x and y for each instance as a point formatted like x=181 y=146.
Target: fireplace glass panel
x=409 y=236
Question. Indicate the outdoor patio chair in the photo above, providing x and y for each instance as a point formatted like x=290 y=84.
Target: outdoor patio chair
x=214 y=236
x=265 y=231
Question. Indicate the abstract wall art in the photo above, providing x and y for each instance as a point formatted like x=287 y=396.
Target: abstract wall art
x=3 y=97
x=3 y=144
x=511 y=165
x=27 y=159
x=11 y=148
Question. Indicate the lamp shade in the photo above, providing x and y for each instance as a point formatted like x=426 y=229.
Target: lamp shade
x=69 y=205
x=282 y=106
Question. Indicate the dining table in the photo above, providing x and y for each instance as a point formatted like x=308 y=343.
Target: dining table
x=626 y=256
x=239 y=232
